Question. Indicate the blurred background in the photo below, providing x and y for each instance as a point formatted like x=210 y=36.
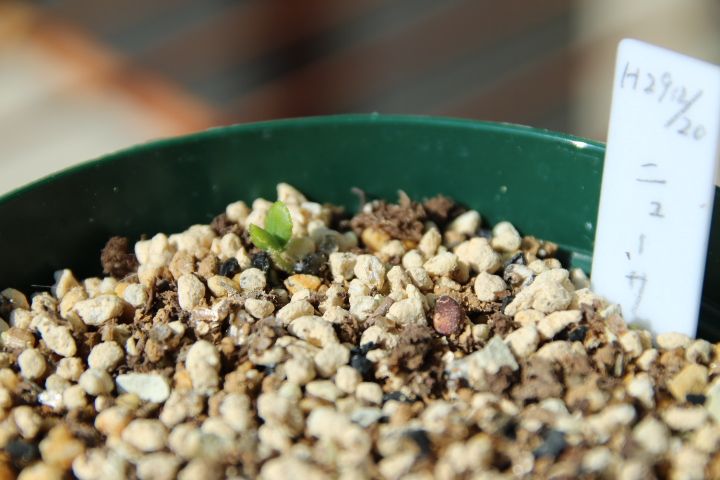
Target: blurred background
x=80 y=78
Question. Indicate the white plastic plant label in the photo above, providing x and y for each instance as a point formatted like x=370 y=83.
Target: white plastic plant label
x=657 y=187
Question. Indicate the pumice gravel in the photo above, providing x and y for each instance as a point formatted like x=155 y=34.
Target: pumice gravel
x=409 y=341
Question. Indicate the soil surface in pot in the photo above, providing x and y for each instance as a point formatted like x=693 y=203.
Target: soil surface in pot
x=407 y=341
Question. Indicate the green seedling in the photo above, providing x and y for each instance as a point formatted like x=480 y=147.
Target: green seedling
x=275 y=236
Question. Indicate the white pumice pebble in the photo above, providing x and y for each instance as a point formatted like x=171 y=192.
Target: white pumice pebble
x=74 y=397
x=410 y=310
x=579 y=278
x=151 y=387
x=412 y=259
x=441 y=264
x=429 y=243
x=523 y=341
x=684 y=419
x=529 y=317
x=647 y=359
x=398 y=278
x=555 y=322
x=56 y=383
x=313 y=330
x=330 y=358
x=357 y=288
x=323 y=389
x=32 y=364
x=105 y=356
x=203 y=363
x=294 y=310
x=536 y=266
x=420 y=278
x=369 y=392
x=57 y=338
x=370 y=270
x=337 y=315
x=300 y=370
x=145 y=435
x=155 y=252
x=191 y=291
x=393 y=248
x=158 y=466
x=237 y=212
x=301 y=294
x=68 y=302
x=631 y=343
x=196 y=240
x=227 y=246
x=548 y=293
x=347 y=378
x=147 y=274
x=96 y=382
x=466 y=223
x=70 y=368
x=700 y=351
x=19 y=318
x=97 y=311
x=259 y=308
x=136 y=295
x=672 y=340
x=478 y=255
x=251 y=280
x=64 y=282
x=641 y=387
x=505 y=237
x=26 y=420
x=487 y=286
x=362 y=307
x=342 y=265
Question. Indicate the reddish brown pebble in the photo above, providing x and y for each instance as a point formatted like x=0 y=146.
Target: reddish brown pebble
x=449 y=316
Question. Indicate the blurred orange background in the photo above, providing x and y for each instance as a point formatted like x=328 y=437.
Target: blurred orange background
x=80 y=78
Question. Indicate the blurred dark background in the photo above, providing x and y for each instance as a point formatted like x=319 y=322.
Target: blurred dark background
x=260 y=59
x=79 y=78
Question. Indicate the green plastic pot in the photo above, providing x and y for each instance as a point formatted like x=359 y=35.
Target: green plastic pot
x=546 y=183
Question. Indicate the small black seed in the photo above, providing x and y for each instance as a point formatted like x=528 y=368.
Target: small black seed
x=22 y=453
x=312 y=264
x=506 y=301
x=420 y=437
x=517 y=259
x=553 y=445
x=6 y=306
x=261 y=261
x=229 y=268
x=485 y=233
x=510 y=430
x=163 y=285
x=578 y=334
x=695 y=398
x=366 y=347
x=397 y=396
x=267 y=370
x=362 y=365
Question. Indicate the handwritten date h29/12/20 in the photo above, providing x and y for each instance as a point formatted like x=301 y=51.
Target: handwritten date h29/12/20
x=663 y=88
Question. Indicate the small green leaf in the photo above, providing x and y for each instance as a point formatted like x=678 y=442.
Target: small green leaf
x=263 y=239
x=278 y=222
